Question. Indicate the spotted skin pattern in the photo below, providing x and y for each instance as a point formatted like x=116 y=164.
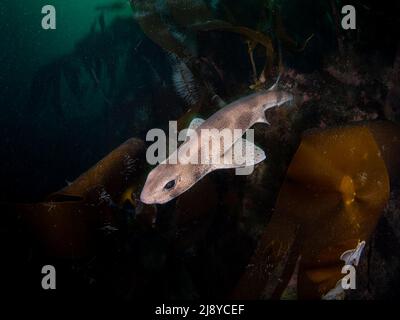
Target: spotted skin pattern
x=240 y=115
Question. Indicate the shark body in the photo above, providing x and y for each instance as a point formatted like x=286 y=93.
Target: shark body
x=169 y=180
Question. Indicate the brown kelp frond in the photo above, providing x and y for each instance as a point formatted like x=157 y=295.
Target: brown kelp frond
x=186 y=13
x=149 y=17
x=67 y=222
x=168 y=25
x=113 y=173
x=174 y=23
x=334 y=193
x=184 y=81
x=97 y=65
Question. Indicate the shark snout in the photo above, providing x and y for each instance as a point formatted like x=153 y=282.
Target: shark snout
x=152 y=200
x=147 y=197
x=144 y=199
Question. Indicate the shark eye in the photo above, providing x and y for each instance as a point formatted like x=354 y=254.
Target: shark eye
x=170 y=185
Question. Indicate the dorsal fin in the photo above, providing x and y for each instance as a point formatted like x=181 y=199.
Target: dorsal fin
x=196 y=122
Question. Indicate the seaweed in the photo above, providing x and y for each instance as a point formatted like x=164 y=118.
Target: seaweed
x=96 y=63
x=184 y=82
x=324 y=211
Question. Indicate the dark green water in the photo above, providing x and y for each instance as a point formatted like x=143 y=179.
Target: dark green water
x=25 y=48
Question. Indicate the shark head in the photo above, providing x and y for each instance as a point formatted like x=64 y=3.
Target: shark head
x=167 y=181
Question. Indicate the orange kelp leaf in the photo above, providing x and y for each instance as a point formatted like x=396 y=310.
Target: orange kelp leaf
x=334 y=193
x=152 y=24
x=319 y=274
x=338 y=176
x=63 y=229
x=115 y=181
x=335 y=190
x=66 y=223
x=115 y=173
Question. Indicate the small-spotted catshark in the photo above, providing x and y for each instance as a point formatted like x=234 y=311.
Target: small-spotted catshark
x=169 y=180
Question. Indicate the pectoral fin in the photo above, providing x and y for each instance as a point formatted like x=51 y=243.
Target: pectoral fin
x=242 y=154
x=263 y=119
